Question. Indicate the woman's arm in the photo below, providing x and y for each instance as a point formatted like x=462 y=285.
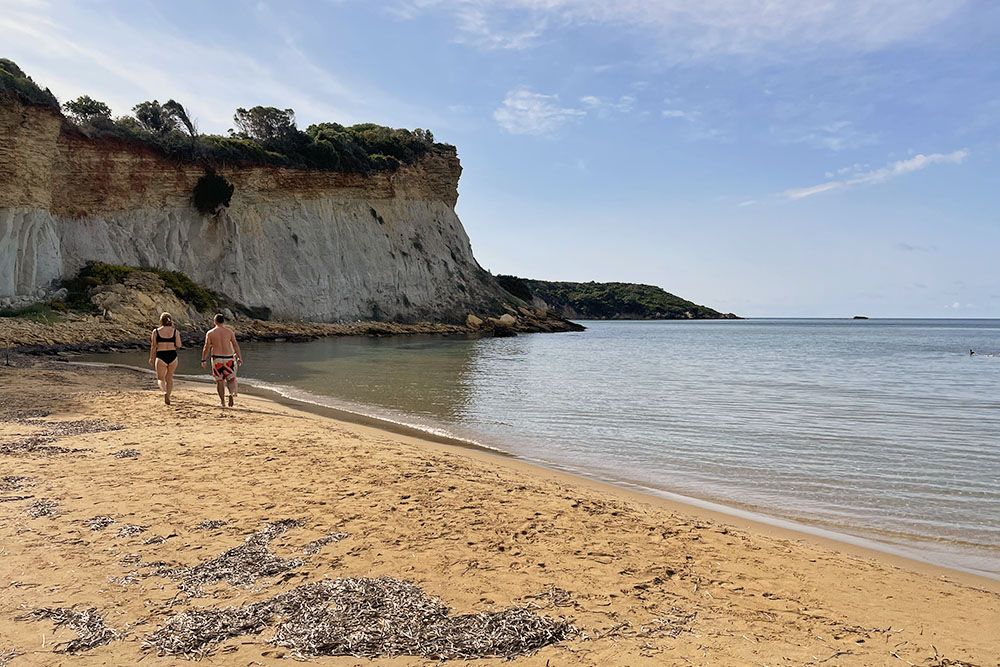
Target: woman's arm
x=177 y=337
x=152 y=346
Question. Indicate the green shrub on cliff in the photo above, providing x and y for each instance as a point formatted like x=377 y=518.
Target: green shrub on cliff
x=95 y=274
x=18 y=86
x=211 y=192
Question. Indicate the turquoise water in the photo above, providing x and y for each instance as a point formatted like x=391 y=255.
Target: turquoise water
x=882 y=429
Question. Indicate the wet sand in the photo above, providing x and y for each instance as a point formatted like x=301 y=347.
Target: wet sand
x=646 y=581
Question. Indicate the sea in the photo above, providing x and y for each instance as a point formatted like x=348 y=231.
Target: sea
x=884 y=433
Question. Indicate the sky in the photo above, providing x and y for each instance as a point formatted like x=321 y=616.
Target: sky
x=766 y=157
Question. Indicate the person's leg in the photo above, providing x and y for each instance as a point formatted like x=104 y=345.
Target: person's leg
x=168 y=380
x=161 y=371
x=232 y=390
x=220 y=386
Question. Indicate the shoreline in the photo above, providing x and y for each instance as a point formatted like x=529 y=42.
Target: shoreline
x=747 y=518
x=644 y=580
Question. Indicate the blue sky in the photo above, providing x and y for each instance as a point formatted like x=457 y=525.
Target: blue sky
x=768 y=157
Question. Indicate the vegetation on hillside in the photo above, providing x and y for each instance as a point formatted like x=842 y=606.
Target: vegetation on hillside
x=96 y=274
x=17 y=86
x=262 y=135
x=608 y=301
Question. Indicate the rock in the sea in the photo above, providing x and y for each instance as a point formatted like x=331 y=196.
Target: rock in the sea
x=508 y=320
x=473 y=322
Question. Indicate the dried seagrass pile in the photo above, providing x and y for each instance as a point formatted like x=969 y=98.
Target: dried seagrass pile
x=128 y=530
x=38 y=444
x=13 y=482
x=314 y=546
x=240 y=566
x=41 y=443
x=99 y=522
x=211 y=524
x=42 y=507
x=126 y=454
x=364 y=617
x=88 y=624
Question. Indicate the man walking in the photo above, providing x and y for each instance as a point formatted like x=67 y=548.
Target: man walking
x=224 y=352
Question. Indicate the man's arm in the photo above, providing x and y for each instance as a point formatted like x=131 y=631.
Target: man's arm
x=205 y=350
x=236 y=348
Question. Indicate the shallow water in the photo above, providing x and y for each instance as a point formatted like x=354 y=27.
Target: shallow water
x=884 y=429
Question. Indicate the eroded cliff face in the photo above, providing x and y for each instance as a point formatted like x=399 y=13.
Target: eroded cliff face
x=309 y=245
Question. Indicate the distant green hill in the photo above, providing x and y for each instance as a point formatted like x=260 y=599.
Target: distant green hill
x=609 y=301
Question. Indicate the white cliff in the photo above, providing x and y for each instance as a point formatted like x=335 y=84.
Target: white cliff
x=308 y=245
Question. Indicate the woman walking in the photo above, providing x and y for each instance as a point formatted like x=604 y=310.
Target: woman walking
x=164 y=342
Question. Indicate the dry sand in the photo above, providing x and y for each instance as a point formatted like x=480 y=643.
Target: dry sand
x=644 y=582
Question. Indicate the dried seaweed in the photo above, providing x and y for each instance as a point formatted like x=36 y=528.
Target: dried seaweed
x=43 y=507
x=239 y=566
x=11 y=499
x=127 y=579
x=557 y=597
x=211 y=524
x=7 y=656
x=314 y=546
x=13 y=482
x=41 y=443
x=193 y=634
x=370 y=618
x=159 y=539
x=24 y=414
x=79 y=427
x=128 y=530
x=99 y=522
x=87 y=624
x=126 y=454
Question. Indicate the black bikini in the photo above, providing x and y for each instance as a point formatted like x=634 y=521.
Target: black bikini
x=168 y=356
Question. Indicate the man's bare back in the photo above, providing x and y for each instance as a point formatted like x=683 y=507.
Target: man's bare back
x=223 y=352
x=221 y=341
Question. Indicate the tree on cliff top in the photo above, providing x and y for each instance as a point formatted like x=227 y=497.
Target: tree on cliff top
x=269 y=126
x=152 y=117
x=85 y=109
x=179 y=114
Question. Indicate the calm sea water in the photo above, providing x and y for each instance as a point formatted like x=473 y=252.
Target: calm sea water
x=882 y=429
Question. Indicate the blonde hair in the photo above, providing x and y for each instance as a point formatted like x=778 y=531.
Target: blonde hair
x=166 y=320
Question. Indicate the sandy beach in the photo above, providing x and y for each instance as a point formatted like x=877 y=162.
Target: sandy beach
x=111 y=500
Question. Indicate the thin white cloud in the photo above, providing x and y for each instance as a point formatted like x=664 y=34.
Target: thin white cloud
x=689 y=116
x=96 y=51
x=605 y=107
x=881 y=175
x=835 y=136
x=698 y=28
x=526 y=112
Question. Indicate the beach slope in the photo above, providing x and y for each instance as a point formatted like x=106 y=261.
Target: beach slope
x=112 y=501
